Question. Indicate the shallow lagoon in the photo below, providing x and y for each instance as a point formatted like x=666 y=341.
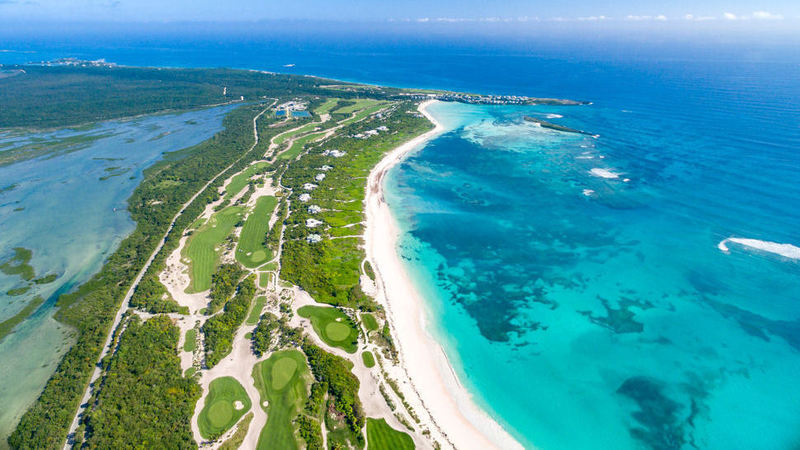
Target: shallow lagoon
x=592 y=311
x=69 y=208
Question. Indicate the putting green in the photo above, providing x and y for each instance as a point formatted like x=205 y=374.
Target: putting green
x=219 y=412
x=332 y=326
x=337 y=331
x=289 y=370
x=282 y=372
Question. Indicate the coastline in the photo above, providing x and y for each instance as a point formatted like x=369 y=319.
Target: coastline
x=423 y=360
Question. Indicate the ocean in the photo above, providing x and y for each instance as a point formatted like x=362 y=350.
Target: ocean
x=583 y=286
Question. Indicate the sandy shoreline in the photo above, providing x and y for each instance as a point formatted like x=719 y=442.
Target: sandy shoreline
x=464 y=423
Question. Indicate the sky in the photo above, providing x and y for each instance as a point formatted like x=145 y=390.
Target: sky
x=741 y=12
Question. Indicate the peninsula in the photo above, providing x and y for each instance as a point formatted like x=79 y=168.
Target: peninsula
x=259 y=302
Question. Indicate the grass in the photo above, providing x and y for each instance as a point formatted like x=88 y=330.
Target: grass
x=282 y=380
x=332 y=326
x=236 y=440
x=327 y=106
x=358 y=105
x=263 y=279
x=380 y=436
x=251 y=251
x=370 y=323
x=219 y=413
x=255 y=313
x=297 y=145
x=368 y=359
x=201 y=249
x=191 y=341
x=240 y=180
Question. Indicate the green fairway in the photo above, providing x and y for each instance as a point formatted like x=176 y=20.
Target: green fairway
x=219 y=412
x=327 y=106
x=297 y=145
x=201 y=249
x=370 y=323
x=368 y=358
x=282 y=380
x=380 y=436
x=263 y=279
x=239 y=181
x=251 y=251
x=191 y=340
x=359 y=105
x=332 y=326
x=255 y=313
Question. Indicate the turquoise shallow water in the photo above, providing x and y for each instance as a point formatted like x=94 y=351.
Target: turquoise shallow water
x=589 y=312
x=71 y=221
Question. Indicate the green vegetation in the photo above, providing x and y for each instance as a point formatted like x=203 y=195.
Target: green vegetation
x=263 y=279
x=282 y=380
x=252 y=250
x=91 y=308
x=240 y=180
x=59 y=96
x=368 y=270
x=326 y=107
x=153 y=297
x=220 y=410
x=190 y=342
x=370 y=323
x=236 y=440
x=47 y=279
x=368 y=359
x=329 y=270
x=13 y=292
x=334 y=327
x=342 y=389
x=273 y=334
x=144 y=401
x=220 y=329
x=299 y=144
x=255 y=313
x=201 y=248
x=358 y=105
x=223 y=283
x=19 y=264
x=383 y=437
x=7 y=325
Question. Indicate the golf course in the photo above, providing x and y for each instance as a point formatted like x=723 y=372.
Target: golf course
x=332 y=326
x=225 y=403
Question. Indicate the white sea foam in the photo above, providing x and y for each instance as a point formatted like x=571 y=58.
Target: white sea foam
x=588 y=192
x=584 y=157
x=554 y=116
x=604 y=173
x=785 y=250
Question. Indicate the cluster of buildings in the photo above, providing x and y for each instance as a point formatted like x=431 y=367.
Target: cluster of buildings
x=292 y=109
x=487 y=99
x=77 y=63
x=369 y=133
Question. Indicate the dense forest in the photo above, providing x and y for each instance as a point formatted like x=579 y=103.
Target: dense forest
x=66 y=95
x=145 y=401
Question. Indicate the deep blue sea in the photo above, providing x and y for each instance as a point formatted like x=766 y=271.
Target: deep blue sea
x=577 y=282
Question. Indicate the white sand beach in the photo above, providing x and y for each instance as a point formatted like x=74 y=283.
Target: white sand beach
x=422 y=358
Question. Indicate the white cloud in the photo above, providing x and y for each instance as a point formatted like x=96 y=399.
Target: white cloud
x=729 y=16
x=764 y=15
x=592 y=18
x=661 y=18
